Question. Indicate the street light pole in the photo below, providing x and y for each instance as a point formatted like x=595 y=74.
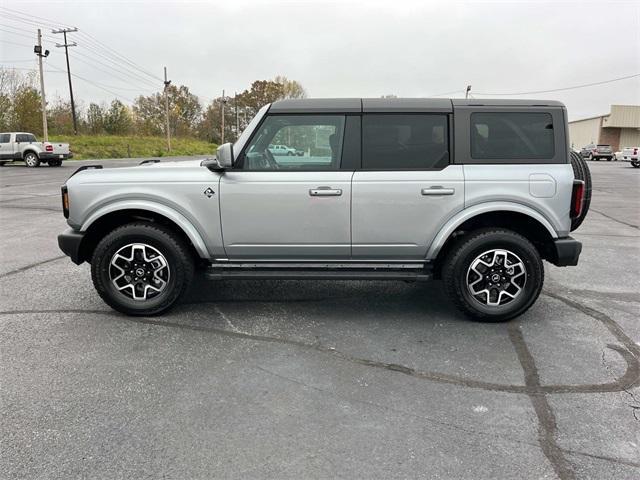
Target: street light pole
x=40 y=54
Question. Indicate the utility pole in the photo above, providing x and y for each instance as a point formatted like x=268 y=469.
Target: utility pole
x=66 y=46
x=166 y=107
x=466 y=94
x=224 y=100
x=38 y=51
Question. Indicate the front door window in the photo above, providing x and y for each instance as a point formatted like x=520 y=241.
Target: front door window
x=295 y=142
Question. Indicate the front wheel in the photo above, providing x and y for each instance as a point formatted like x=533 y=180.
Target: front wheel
x=493 y=275
x=141 y=268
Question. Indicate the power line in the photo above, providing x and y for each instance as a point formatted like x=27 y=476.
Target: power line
x=90 y=82
x=446 y=93
x=116 y=67
x=15 y=33
x=564 y=88
x=132 y=78
x=15 y=43
x=11 y=67
x=16 y=61
x=29 y=18
x=125 y=59
x=123 y=79
x=22 y=29
x=98 y=48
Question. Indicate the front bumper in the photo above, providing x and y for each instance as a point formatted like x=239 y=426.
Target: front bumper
x=70 y=242
x=55 y=156
x=566 y=252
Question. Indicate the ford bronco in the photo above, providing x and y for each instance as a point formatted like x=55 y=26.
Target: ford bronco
x=476 y=193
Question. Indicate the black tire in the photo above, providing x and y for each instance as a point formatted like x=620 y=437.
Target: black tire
x=635 y=164
x=167 y=243
x=581 y=172
x=31 y=160
x=55 y=163
x=456 y=270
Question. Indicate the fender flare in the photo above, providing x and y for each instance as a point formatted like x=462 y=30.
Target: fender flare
x=30 y=150
x=176 y=217
x=468 y=213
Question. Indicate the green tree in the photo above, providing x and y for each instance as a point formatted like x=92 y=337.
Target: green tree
x=117 y=119
x=149 y=114
x=27 y=110
x=95 y=119
x=246 y=104
x=290 y=88
x=59 y=118
x=185 y=112
x=20 y=107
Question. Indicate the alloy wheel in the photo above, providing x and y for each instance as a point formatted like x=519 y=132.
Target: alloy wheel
x=496 y=277
x=139 y=271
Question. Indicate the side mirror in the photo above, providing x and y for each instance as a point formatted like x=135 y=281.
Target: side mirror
x=225 y=155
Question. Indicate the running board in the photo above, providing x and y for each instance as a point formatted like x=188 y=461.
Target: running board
x=319 y=271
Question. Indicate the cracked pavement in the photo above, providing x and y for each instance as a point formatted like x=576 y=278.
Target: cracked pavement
x=312 y=379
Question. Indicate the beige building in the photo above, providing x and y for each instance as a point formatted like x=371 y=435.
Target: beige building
x=620 y=128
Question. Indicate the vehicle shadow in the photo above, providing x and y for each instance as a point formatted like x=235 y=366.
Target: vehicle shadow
x=334 y=301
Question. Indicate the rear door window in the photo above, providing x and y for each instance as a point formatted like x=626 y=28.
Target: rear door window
x=511 y=135
x=405 y=141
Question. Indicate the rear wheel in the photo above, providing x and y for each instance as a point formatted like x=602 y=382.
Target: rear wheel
x=55 y=163
x=31 y=160
x=141 y=269
x=493 y=275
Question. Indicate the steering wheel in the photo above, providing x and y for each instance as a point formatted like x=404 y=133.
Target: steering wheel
x=270 y=160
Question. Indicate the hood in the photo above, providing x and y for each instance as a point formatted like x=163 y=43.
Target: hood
x=160 y=172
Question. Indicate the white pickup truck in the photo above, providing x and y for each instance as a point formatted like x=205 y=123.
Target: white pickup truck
x=25 y=146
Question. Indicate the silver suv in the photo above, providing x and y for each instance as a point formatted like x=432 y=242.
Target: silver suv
x=476 y=193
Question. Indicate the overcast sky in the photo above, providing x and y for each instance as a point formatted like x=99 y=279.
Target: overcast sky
x=341 y=48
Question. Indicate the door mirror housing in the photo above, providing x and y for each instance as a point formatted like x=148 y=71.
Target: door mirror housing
x=225 y=155
x=212 y=164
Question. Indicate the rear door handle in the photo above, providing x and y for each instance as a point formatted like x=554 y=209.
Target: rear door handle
x=432 y=191
x=325 y=192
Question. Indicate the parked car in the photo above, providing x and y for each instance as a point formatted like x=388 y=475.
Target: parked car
x=25 y=146
x=597 y=152
x=404 y=192
x=630 y=154
x=284 y=150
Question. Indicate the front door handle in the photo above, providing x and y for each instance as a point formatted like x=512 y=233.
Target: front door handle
x=438 y=191
x=325 y=192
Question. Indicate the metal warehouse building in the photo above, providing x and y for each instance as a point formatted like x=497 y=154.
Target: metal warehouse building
x=620 y=128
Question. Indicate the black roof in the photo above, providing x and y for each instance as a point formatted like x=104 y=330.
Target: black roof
x=358 y=105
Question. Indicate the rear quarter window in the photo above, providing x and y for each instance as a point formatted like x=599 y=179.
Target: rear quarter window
x=512 y=135
x=5 y=137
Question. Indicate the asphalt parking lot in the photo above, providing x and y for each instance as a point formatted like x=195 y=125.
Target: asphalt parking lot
x=288 y=379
